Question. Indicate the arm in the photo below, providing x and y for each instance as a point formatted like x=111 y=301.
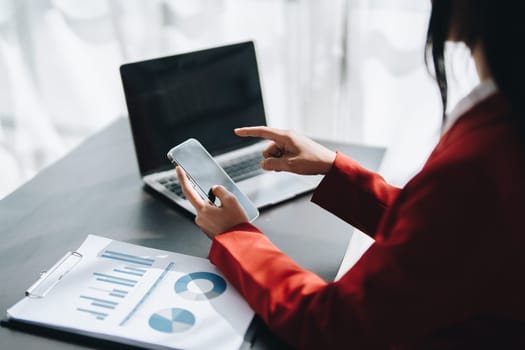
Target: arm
x=415 y=279
x=351 y=192
x=355 y=194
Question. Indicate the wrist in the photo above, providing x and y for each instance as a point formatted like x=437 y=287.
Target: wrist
x=328 y=161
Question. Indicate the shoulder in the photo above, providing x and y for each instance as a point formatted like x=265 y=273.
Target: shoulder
x=485 y=129
x=476 y=172
x=483 y=141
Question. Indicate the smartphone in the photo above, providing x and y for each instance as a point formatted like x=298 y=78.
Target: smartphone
x=204 y=173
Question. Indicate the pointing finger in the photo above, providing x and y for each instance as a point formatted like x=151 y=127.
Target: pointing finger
x=264 y=132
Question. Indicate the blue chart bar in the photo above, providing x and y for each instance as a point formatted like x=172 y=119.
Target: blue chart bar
x=148 y=293
x=99 y=300
x=103 y=303
x=135 y=269
x=116 y=295
x=110 y=254
x=119 y=293
x=99 y=315
x=129 y=272
x=115 y=280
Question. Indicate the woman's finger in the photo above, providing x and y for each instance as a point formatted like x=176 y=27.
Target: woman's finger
x=223 y=194
x=273 y=150
x=187 y=189
x=265 y=132
x=275 y=164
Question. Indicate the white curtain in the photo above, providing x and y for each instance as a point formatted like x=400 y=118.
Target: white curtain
x=347 y=70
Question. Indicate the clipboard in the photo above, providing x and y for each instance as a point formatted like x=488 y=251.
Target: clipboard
x=48 y=279
x=115 y=294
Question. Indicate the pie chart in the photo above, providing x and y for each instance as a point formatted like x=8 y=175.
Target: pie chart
x=172 y=320
x=200 y=286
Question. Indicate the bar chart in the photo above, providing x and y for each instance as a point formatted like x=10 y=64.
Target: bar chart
x=111 y=287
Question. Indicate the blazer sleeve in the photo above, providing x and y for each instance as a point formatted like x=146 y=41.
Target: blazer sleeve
x=409 y=283
x=355 y=194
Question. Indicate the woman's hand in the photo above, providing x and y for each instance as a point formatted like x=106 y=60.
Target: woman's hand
x=213 y=220
x=291 y=151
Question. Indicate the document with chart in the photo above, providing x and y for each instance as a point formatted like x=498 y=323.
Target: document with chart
x=139 y=296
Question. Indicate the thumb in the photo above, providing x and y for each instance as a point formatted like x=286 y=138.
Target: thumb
x=223 y=194
x=275 y=164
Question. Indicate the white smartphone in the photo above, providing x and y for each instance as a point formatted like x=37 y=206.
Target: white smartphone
x=204 y=173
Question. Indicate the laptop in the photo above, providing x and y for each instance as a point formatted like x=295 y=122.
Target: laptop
x=204 y=95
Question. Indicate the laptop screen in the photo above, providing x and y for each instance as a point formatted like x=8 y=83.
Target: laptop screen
x=203 y=94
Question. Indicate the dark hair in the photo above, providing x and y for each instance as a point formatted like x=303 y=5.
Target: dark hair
x=495 y=24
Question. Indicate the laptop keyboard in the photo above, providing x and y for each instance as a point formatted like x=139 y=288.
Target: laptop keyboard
x=239 y=169
x=172 y=184
x=244 y=167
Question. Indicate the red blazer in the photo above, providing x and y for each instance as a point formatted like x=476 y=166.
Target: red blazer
x=447 y=269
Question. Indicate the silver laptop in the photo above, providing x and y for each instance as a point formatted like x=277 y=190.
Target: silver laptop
x=204 y=95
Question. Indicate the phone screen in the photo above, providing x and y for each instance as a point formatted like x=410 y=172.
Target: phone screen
x=204 y=172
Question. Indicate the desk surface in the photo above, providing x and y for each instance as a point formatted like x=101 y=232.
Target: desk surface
x=97 y=189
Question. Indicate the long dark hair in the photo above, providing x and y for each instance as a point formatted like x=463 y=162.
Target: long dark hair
x=495 y=24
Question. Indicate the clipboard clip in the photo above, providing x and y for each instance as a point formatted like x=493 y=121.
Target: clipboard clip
x=48 y=279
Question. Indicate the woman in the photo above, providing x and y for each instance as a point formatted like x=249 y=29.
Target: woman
x=447 y=269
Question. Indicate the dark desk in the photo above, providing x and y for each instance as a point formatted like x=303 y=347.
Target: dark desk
x=97 y=189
